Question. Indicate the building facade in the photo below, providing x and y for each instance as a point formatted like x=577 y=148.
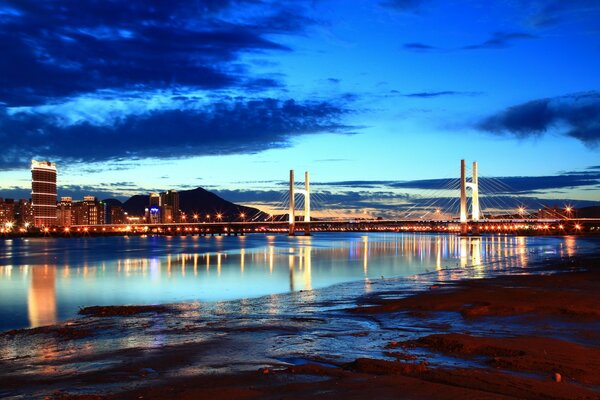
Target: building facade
x=43 y=193
x=7 y=211
x=64 y=212
x=90 y=211
x=169 y=202
x=24 y=213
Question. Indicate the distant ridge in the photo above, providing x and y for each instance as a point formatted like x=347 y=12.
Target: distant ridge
x=196 y=201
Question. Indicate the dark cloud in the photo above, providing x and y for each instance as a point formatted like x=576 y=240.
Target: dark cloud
x=574 y=115
x=511 y=184
x=419 y=47
x=225 y=127
x=548 y=13
x=61 y=48
x=590 y=177
x=402 y=5
x=498 y=40
x=426 y=95
x=355 y=184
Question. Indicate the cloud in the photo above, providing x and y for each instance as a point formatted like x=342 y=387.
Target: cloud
x=517 y=185
x=419 y=47
x=548 y=13
x=500 y=40
x=55 y=49
x=427 y=95
x=402 y=5
x=227 y=126
x=497 y=40
x=574 y=115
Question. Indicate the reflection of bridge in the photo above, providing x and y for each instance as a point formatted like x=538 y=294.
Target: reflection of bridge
x=446 y=221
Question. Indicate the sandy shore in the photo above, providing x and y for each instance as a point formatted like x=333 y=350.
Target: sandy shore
x=514 y=336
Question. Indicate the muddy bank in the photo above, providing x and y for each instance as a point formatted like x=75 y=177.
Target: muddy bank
x=517 y=336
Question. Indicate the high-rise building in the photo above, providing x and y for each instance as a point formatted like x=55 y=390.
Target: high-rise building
x=170 y=198
x=7 y=211
x=24 y=213
x=64 y=212
x=90 y=211
x=153 y=210
x=117 y=215
x=43 y=193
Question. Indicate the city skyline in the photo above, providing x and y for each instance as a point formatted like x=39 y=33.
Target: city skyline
x=379 y=100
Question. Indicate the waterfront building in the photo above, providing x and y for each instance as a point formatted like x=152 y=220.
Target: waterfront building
x=64 y=212
x=43 y=193
x=7 y=211
x=117 y=215
x=170 y=198
x=152 y=212
x=24 y=213
x=90 y=211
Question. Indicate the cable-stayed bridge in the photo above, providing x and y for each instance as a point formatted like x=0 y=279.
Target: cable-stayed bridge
x=467 y=206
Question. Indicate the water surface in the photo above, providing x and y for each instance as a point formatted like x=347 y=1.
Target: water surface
x=44 y=280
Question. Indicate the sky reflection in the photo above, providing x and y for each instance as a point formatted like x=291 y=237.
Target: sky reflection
x=137 y=270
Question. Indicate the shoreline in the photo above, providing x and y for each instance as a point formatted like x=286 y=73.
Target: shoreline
x=416 y=345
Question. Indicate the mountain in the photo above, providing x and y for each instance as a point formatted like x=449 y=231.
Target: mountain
x=588 y=212
x=113 y=202
x=198 y=201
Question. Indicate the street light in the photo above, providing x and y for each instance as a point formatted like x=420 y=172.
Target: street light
x=568 y=210
x=242 y=216
x=521 y=211
x=219 y=216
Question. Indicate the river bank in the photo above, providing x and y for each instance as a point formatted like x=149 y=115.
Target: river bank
x=511 y=336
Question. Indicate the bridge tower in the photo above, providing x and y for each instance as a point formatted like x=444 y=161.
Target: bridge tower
x=292 y=211
x=474 y=186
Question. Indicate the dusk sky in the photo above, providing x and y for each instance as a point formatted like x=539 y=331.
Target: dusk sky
x=379 y=100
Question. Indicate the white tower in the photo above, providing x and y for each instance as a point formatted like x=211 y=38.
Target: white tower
x=292 y=211
x=474 y=186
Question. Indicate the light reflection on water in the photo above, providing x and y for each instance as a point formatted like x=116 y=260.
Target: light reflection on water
x=46 y=280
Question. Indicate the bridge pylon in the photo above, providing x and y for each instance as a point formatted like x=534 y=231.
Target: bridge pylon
x=474 y=186
x=292 y=211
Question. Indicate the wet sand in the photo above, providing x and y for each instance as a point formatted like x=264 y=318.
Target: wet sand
x=512 y=336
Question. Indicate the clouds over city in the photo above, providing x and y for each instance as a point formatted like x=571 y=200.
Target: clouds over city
x=221 y=127
x=113 y=80
x=57 y=49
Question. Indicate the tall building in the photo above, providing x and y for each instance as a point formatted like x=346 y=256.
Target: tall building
x=64 y=212
x=7 y=211
x=24 y=213
x=117 y=215
x=90 y=211
x=170 y=199
x=43 y=193
x=153 y=210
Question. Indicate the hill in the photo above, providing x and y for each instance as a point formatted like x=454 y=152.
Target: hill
x=198 y=201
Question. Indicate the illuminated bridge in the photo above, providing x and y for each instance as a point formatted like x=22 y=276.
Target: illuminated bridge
x=463 y=213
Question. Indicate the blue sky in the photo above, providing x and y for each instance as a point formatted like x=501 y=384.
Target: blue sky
x=134 y=96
